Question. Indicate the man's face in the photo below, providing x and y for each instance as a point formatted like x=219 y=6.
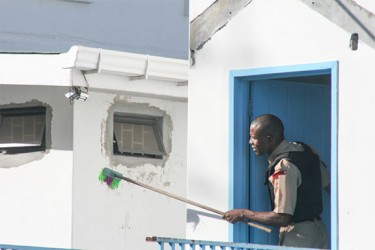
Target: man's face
x=258 y=141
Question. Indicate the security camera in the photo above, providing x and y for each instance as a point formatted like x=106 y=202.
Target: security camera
x=76 y=93
x=84 y=96
x=71 y=95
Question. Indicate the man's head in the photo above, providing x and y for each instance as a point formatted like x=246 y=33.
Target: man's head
x=266 y=133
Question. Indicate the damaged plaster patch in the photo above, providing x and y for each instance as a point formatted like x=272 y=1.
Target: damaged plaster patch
x=149 y=176
x=155 y=176
x=167 y=184
x=125 y=105
x=17 y=160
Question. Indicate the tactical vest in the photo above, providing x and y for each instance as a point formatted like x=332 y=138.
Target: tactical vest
x=309 y=204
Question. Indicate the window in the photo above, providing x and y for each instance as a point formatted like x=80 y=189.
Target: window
x=22 y=130
x=138 y=135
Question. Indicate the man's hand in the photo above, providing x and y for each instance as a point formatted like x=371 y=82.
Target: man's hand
x=234 y=215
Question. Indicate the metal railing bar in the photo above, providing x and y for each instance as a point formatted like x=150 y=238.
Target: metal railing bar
x=213 y=245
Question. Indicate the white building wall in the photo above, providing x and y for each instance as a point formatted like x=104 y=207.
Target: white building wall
x=272 y=33
x=33 y=69
x=123 y=218
x=36 y=195
x=55 y=199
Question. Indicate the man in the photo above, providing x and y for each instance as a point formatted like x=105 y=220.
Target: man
x=295 y=177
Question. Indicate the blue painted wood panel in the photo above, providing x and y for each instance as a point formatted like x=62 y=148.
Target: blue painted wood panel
x=239 y=136
x=304 y=109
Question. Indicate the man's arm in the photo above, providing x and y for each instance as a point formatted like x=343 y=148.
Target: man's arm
x=266 y=218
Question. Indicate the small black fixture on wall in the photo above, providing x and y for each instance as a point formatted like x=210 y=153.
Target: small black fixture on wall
x=354 y=41
x=77 y=93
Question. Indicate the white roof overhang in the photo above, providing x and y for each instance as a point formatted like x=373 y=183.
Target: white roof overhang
x=99 y=69
x=137 y=66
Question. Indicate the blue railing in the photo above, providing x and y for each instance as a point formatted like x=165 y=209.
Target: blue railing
x=180 y=244
x=183 y=244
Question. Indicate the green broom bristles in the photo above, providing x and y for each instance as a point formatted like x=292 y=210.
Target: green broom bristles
x=102 y=176
x=109 y=177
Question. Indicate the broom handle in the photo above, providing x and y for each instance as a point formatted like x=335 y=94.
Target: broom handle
x=189 y=201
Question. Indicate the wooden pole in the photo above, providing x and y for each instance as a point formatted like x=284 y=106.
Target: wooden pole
x=188 y=201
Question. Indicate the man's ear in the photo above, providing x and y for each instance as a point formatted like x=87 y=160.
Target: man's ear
x=269 y=138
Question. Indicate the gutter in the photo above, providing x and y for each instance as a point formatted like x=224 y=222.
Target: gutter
x=87 y=60
x=99 y=69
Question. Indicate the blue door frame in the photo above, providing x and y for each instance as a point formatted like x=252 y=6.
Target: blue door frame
x=238 y=136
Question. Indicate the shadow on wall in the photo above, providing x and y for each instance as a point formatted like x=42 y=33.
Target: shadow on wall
x=193 y=217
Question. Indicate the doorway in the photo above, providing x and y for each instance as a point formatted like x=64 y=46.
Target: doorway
x=304 y=97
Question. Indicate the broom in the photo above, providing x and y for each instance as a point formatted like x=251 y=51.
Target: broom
x=113 y=178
